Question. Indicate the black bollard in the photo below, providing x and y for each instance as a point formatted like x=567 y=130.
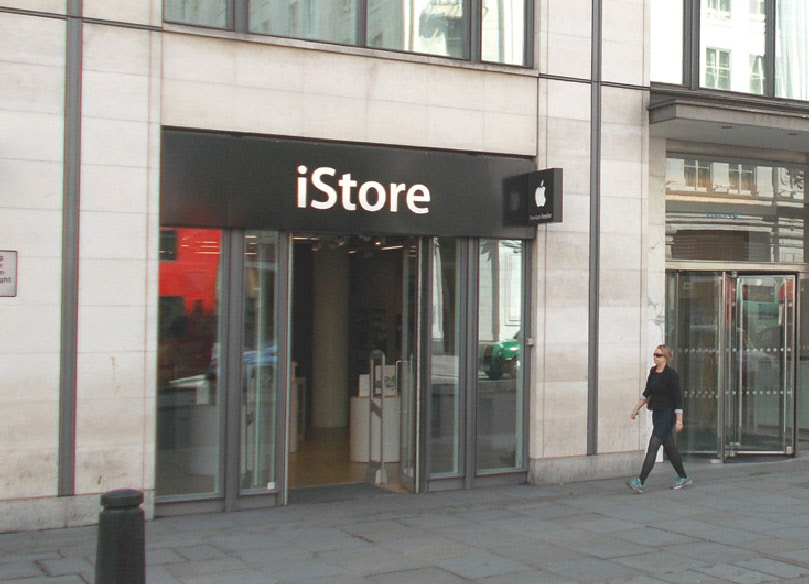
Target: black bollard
x=120 y=555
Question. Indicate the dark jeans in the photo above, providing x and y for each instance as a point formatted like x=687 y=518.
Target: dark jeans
x=662 y=435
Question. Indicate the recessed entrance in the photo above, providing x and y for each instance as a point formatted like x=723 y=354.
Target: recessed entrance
x=354 y=301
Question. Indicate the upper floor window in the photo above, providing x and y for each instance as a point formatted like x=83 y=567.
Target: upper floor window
x=792 y=48
x=478 y=30
x=763 y=43
x=667 y=41
x=210 y=13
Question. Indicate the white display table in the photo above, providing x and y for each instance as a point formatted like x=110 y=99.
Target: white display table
x=359 y=437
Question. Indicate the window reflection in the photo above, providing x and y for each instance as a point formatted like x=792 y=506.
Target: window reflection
x=503 y=32
x=188 y=388
x=213 y=13
x=444 y=358
x=667 y=41
x=717 y=68
x=732 y=41
x=327 y=20
x=259 y=367
x=500 y=342
x=733 y=211
x=433 y=27
x=792 y=47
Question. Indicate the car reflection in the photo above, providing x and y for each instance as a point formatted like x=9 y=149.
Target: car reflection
x=502 y=359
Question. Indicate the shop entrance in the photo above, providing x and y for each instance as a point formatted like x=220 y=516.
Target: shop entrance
x=734 y=339
x=353 y=388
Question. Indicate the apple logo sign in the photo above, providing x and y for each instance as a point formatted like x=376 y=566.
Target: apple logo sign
x=539 y=195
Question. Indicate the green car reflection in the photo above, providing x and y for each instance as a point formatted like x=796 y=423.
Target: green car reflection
x=502 y=359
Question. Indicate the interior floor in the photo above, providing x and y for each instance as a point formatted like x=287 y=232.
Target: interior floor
x=324 y=459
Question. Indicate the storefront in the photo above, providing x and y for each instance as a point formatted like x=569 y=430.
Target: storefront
x=736 y=296
x=334 y=316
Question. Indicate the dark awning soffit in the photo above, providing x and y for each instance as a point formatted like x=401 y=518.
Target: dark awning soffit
x=754 y=123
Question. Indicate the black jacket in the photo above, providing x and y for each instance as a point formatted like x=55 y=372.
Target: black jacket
x=663 y=390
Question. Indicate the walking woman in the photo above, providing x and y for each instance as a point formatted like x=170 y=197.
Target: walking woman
x=662 y=396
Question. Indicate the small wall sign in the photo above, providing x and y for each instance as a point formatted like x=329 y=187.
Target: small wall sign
x=534 y=198
x=8 y=273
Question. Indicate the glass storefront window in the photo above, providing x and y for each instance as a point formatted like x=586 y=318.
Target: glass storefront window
x=791 y=49
x=432 y=27
x=500 y=340
x=732 y=38
x=211 y=13
x=259 y=365
x=503 y=32
x=735 y=211
x=667 y=41
x=445 y=350
x=189 y=394
x=332 y=21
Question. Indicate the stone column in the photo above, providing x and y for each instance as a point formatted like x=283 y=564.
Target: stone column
x=330 y=342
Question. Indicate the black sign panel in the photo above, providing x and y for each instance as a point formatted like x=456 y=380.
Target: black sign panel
x=260 y=182
x=544 y=196
x=533 y=198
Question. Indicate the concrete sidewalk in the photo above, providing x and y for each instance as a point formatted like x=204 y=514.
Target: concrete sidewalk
x=743 y=523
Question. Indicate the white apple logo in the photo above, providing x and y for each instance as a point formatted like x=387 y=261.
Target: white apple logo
x=539 y=194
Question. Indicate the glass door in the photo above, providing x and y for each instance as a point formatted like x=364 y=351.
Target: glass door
x=761 y=365
x=734 y=342
x=407 y=367
x=696 y=335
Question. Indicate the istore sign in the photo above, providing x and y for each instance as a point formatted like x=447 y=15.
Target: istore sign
x=370 y=196
x=262 y=182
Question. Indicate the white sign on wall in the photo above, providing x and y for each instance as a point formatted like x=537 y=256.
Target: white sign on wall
x=8 y=273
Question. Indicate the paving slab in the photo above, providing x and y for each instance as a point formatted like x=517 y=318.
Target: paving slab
x=740 y=523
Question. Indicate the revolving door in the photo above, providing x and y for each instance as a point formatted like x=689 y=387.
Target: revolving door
x=733 y=337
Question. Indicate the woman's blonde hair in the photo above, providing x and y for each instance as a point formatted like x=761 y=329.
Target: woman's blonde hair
x=667 y=353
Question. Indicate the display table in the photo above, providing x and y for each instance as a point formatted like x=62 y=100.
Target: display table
x=359 y=436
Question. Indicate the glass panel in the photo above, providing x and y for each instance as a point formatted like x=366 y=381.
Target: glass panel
x=694 y=322
x=500 y=383
x=667 y=41
x=433 y=27
x=759 y=413
x=324 y=20
x=791 y=49
x=189 y=395
x=445 y=454
x=213 y=13
x=259 y=381
x=503 y=32
x=729 y=211
x=732 y=41
x=803 y=367
x=408 y=370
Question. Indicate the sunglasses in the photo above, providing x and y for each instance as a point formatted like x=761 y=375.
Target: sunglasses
x=658 y=355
